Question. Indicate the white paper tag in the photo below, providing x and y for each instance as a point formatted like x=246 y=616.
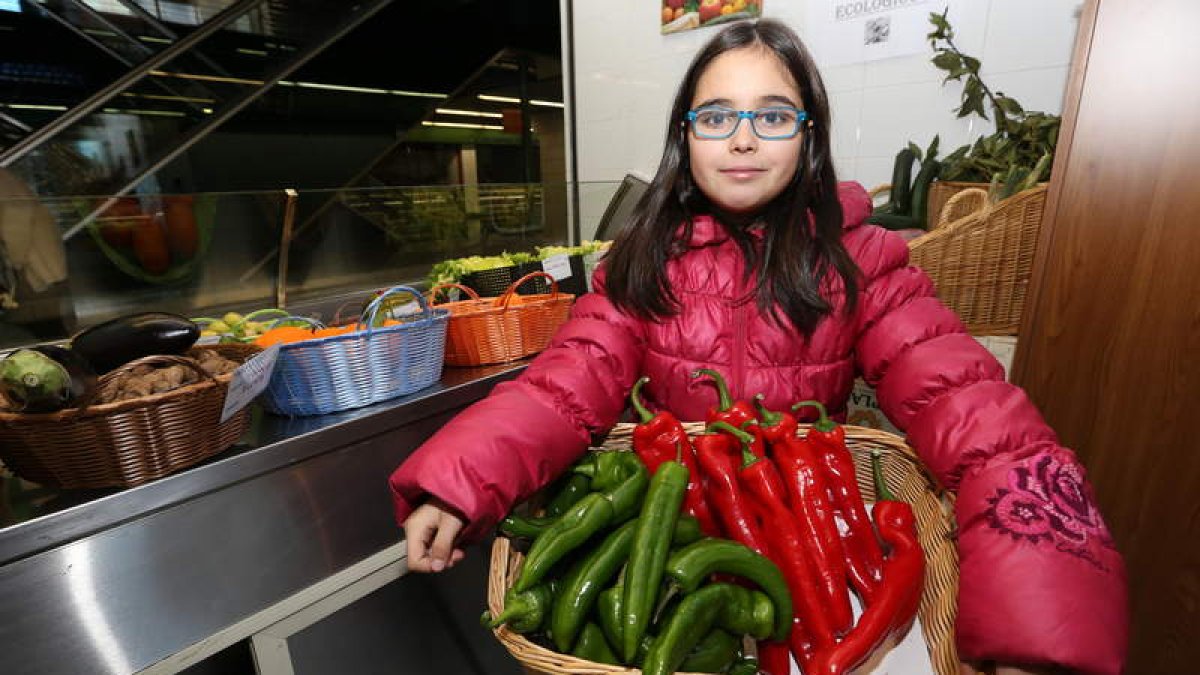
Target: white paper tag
x=249 y=380
x=558 y=266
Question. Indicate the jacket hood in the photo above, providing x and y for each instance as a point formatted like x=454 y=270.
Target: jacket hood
x=856 y=206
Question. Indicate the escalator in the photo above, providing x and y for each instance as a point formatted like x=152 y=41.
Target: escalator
x=188 y=67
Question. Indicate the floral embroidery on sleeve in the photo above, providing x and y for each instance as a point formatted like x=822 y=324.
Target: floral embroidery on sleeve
x=1047 y=501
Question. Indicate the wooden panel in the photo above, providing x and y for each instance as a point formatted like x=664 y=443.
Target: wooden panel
x=1110 y=343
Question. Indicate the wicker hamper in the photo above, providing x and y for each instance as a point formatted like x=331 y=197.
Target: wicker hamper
x=904 y=474
x=126 y=443
x=364 y=366
x=486 y=331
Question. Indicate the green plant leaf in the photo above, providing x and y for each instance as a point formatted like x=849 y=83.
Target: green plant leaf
x=915 y=150
x=971 y=63
x=932 y=150
x=947 y=60
x=1009 y=105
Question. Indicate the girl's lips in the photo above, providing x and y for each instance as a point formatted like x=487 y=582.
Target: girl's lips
x=742 y=172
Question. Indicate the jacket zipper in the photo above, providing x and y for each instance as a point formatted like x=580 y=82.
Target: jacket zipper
x=738 y=348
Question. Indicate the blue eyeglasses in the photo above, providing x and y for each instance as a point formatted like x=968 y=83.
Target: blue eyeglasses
x=774 y=123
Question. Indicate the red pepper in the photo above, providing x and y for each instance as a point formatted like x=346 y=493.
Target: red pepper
x=734 y=413
x=720 y=465
x=774 y=658
x=661 y=438
x=775 y=426
x=801 y=470
x=863 y=556
x=788 y=548
x=899 y=594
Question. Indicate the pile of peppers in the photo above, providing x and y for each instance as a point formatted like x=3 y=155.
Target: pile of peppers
x=667 y=557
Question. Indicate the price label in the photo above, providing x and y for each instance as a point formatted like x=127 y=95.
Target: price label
x=558 y=266
x=249 y=380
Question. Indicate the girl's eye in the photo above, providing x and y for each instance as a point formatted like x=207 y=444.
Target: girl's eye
x=714 y=118
x=777 y=118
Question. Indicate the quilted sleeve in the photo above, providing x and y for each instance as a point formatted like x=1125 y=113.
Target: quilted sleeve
x=1041 y=581
x=503 y=448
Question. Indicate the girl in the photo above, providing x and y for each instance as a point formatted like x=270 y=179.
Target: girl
x=748 y=256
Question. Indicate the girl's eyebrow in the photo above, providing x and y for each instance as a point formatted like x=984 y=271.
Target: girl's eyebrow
x=762 y=100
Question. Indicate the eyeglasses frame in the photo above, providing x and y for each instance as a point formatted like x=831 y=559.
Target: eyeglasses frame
x=801 y=117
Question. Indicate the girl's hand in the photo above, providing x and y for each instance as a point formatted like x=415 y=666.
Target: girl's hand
x=431 y=531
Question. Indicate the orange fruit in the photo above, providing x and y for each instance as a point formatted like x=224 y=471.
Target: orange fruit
x=668 y=14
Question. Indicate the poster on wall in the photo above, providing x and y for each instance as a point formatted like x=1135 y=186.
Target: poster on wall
x=681 y=15
x=853 y=31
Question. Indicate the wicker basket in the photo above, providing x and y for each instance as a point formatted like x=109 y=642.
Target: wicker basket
x=981 y=264
x=125 y=443
x=486 y=331
x=365 y=366
x=904 y=474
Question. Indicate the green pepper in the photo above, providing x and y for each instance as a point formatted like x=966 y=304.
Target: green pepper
x=713 y=654
x=651 y=546
x=593 y=513
x=692 y=565
x=574 y=487
x=524 y=611
x=585 y=581
x=524 y=527
x=746 y=665
x=608 y=610
x=590 y=575
x=733 y=608
x=592 y=646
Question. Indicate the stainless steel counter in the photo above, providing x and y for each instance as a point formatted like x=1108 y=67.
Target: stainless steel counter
x=116 y=582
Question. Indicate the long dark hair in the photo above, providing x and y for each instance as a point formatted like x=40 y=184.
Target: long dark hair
x=795 y=258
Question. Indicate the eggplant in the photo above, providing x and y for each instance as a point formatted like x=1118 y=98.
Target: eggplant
x=45 y=378
x=114 y=343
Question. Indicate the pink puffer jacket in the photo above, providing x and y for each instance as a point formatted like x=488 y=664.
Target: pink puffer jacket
x=1041 y=581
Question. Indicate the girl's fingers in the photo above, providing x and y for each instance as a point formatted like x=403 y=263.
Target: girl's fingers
x=442 y=550
x=419 y=531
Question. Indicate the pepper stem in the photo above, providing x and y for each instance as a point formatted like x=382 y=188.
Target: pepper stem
x=882 y=493
x=823 y=423
x=746 y=439
x=635 y=397
x=724 y=401
x=769 y=417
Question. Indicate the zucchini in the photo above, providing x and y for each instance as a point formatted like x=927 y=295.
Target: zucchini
x=901 y=195
x=45 y=378
x=894 y=222
x=920 y=194
x=114 y=343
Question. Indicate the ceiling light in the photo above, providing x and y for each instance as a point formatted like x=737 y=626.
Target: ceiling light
x=160 y=97
x=467 y=113
x=34 y=106
x=418 y=94
x=251 y=52
x=510 y=99
x=463 y=125
x=341 y=87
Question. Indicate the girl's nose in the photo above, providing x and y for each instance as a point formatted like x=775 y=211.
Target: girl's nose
x=743 y=138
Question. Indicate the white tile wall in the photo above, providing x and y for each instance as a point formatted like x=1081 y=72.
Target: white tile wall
x=626 y=74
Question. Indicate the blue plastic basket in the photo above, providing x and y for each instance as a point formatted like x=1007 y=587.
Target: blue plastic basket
x=368 y=365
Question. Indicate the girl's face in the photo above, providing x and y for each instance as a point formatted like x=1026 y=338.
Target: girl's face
x=742 y=173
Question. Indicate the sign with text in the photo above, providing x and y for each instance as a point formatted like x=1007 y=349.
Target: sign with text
x=249 y=380
x=841 y=32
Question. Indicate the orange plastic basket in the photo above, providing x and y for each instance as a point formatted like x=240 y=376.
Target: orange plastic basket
x=485 y=331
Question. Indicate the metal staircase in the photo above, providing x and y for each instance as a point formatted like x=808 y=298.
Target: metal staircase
x=189 y=67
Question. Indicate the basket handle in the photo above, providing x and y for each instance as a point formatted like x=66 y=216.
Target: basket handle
x=292 y=318
x=368 y=315
x=503 y=300
x=441 y=287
